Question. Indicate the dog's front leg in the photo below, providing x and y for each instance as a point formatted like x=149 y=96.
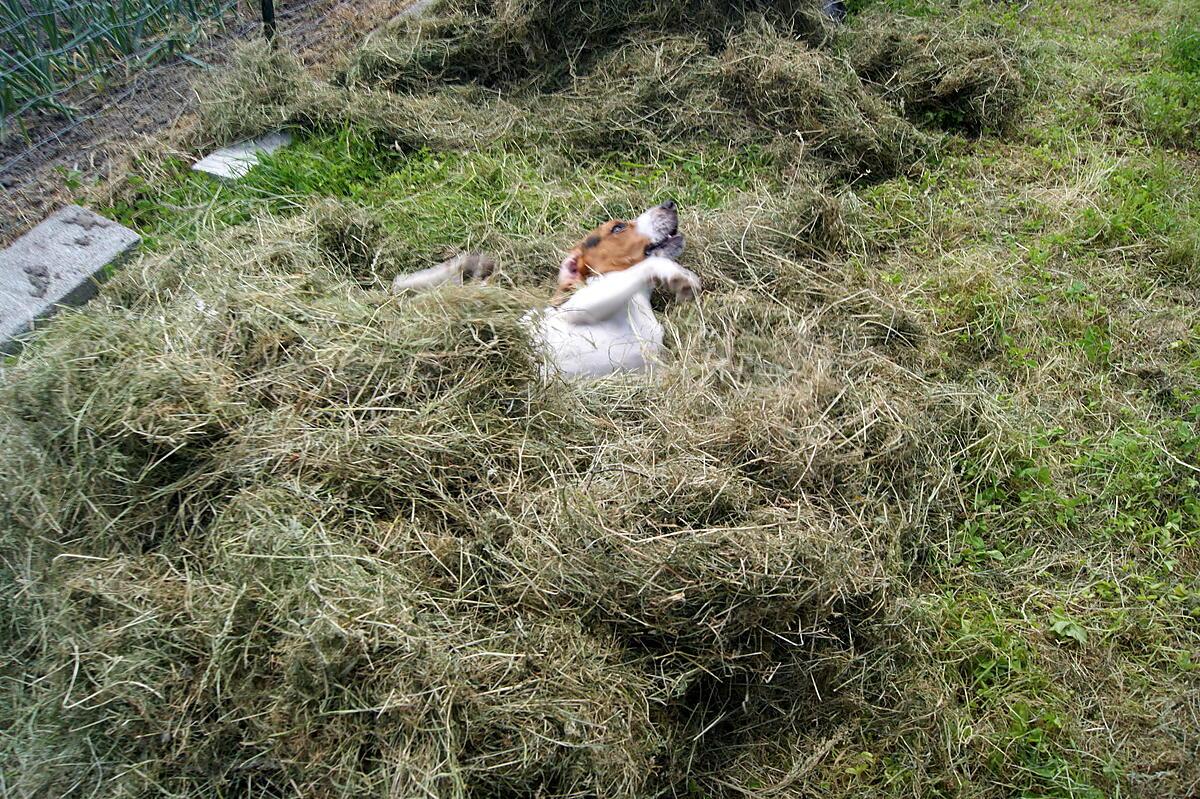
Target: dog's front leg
x=608 y=294
x=605 y=296
x=453 y=272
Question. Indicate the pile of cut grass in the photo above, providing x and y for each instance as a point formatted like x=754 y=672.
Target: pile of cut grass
x=964 y=81
x=884 y=527
x=275 y=529
x=685 y=75
x=539 y=45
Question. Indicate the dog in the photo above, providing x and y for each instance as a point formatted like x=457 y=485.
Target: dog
x=601 y=321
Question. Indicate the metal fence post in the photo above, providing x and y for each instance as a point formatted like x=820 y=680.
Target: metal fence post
x=268 y=16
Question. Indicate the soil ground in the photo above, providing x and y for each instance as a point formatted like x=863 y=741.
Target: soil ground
x=39 y=169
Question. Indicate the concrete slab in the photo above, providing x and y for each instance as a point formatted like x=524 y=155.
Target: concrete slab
x=234 y=161
x=57 y=263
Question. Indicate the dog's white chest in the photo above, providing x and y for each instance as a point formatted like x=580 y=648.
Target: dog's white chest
x=628 y=341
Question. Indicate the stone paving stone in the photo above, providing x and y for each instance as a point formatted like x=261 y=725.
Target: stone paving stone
x=234 y=161
x=57 y=263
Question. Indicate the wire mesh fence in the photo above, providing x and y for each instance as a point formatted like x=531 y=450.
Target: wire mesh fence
x=51 y=50
x=107 y=75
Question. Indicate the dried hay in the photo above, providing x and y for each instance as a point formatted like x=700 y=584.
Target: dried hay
x=646 y=95
x=810 y=95
x=957 y=79
x=542 y=43
x=269 y=530
x=323 y=538
x=635 y=95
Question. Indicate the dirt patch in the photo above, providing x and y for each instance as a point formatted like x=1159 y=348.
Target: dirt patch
x=35 y=168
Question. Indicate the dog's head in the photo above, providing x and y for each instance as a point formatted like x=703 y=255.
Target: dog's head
x=621 y=243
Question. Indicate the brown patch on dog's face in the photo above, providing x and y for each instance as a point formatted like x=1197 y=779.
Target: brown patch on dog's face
x=613 y=246
x=620 y=243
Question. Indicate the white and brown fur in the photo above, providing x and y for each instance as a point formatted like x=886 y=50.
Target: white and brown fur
x=600 y=322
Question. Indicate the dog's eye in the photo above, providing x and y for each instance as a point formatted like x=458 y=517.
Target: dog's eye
x=617 y=228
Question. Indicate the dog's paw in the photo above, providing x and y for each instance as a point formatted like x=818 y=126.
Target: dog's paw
x=477 y=266
x=684 y=284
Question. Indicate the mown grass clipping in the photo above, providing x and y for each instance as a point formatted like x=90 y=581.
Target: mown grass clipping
x=319 y=536
x=268 y=530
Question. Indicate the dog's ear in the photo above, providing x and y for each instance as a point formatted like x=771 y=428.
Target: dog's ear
x=570 y=271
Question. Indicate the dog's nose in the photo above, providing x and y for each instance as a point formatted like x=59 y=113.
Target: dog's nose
x=669 y=205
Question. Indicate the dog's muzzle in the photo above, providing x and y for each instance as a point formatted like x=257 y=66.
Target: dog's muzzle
x=660 y=224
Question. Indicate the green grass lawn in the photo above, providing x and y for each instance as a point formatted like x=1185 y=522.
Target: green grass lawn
x=1038 y=632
